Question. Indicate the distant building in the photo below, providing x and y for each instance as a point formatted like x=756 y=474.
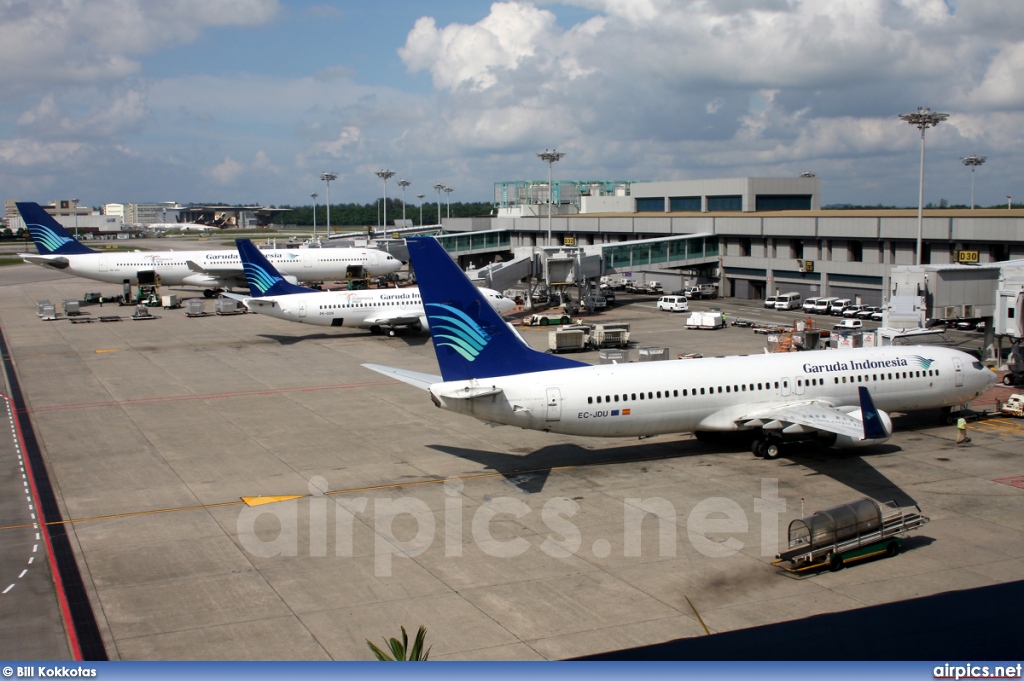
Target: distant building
x=64 y=211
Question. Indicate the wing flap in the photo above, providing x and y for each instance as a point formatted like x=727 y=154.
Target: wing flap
x=808 y=416
x=399 y=318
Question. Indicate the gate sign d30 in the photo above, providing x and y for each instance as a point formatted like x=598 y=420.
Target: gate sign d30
x=967 y=257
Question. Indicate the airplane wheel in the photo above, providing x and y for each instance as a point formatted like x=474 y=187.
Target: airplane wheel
x=835 y=563
x=209 y=293
x=757 y=447
x=1008 y=379
x=391 y=333
x=543 y=321
x=772 y=450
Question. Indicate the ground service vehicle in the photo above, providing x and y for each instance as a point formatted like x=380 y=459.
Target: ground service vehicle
x=824 y=305
x=769 y=302
x=673 y=304
x=787 y=301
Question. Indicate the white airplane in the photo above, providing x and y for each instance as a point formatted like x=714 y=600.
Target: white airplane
x=210 y=269
x=373 y=309
x=836 y=397
x=179 y=227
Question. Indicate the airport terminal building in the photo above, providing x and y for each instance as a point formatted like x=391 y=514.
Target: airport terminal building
x=751 y=237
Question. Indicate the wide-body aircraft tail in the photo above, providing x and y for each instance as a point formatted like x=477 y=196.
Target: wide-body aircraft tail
x=49 y=235
x=470 y=339
x=263 y=278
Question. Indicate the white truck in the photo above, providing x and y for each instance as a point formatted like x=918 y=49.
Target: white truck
x=702 y=291
x=1014 y=405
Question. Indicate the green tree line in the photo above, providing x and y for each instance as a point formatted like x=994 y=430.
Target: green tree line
x=356 y=215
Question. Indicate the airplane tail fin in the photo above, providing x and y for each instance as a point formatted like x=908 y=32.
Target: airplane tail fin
x=874 y=429
x=49 y=236
x=470 y=339
x=263 y=278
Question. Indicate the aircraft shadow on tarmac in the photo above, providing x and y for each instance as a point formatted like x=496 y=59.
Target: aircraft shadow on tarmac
x=412 y=340
x=529 y=472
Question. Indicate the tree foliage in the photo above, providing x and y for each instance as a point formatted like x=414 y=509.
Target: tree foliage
x=399 y=651
x=353 y=214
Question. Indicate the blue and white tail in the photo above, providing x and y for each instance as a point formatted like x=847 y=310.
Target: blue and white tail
x=263 y=278
x=48 y=234
x=470 y=339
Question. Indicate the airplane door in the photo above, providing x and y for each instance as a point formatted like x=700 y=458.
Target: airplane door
x=104 y=263
x=307 y=260
x=799 y=387
x=302 y=308
x=784 y=390
x=958 y=371
x=554 y=404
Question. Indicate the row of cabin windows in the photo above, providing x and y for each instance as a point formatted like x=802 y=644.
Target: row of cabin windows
x=754 y=387
x=340 y=305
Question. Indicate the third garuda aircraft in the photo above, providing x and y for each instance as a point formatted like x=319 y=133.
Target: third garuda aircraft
x=836 y=397
x=211 y=269
x=375 y=309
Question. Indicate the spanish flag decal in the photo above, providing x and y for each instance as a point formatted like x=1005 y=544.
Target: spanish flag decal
x=625 y=412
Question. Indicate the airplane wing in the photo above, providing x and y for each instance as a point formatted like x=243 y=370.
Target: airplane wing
x=413 y=378
x=397 y=318
x=56 y=261
x=802 y=417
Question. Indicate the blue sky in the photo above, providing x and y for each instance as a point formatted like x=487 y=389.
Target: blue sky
x=249 y=100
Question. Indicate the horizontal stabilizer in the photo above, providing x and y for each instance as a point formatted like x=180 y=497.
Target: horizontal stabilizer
x=470 y=392
x=413 y=378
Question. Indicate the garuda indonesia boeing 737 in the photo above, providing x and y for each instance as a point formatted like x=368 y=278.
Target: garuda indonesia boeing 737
x=837 y=397
x=373 y=309
x=210 y=269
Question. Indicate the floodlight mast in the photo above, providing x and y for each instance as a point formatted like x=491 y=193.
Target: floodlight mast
x=448 y=200
x=420 y=197
x=314 y=195
x=328 y=177
x=973 y=162
x=403 y=184
x=385 y=175
x=551 y=156
x=439 y=188
x=922 y=119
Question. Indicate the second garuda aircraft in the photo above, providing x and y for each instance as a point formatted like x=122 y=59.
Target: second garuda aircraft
x=375 y=309
x=211 y=269
x=835 y=397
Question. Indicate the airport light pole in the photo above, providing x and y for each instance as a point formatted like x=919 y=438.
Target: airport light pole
x=973 y=162
x=385 y=175
x=75 y=202
x=448 y=200
x=439 y=188
x=314 y=195
x=922 y=119
x=420 y=197
x=551 y=156
x=403 y=184
x=327 y=177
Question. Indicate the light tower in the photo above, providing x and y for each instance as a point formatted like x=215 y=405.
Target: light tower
x=327 y=177
x=384 y=175
x=439 y=188
x=448 y=200
x=75 y=202
x=922 y=119
x=314 y=195
x=973 y=162
x=403 y=184
x=420 y=197
x=551 y=156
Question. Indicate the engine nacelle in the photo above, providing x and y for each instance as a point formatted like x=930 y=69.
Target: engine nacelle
x=847 y=442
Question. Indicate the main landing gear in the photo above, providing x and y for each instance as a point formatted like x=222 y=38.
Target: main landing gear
x=766 y=447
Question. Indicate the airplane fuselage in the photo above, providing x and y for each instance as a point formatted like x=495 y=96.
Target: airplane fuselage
x=715 y=394
x=219 y=268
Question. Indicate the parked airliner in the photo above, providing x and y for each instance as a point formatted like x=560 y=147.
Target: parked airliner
x=836 y=397
x=212 y=269
x=377 y=309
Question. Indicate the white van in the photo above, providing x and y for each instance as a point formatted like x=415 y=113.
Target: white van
x=809 y=304
x=673 y=303
x=787 y=301
x=824 y=304
x=838 y=307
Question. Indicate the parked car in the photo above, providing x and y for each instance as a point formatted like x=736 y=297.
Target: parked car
x=876 y=316
x=852 y=310
x=673 y=304
x=838 y=306
x=769 y=302
x=849 y=325
x=809 y=304
x=867 y=312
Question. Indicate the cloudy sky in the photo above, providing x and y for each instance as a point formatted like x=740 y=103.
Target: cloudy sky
x=249 y=100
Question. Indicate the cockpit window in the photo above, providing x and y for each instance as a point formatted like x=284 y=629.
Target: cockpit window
x=978 y=365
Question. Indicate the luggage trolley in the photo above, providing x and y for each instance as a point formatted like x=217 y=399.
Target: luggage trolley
x=856 y=531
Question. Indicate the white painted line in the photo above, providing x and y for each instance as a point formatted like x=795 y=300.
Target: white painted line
x=8 y=588
x=35 y=547
x=22 y=573
x=37 y=536
x=31 y=560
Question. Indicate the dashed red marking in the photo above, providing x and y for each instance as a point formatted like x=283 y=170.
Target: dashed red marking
x=1017 y=481
x=213 y=396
